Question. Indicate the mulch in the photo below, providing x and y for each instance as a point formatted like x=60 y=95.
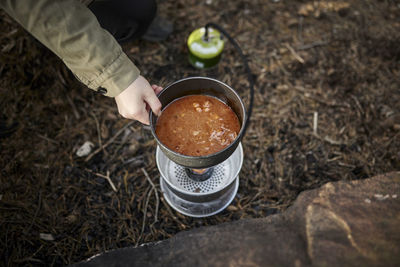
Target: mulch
x=326 y=109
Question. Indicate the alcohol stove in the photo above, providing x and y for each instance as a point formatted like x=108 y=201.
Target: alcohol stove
x=200 y=186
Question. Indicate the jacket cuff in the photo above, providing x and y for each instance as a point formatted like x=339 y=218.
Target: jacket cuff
x=116 y=77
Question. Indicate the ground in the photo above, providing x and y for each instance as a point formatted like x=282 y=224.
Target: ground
x=326 y=109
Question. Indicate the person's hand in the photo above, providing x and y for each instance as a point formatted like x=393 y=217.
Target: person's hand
x=136 y=100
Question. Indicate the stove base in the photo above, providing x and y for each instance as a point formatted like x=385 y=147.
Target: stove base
x=196 y=209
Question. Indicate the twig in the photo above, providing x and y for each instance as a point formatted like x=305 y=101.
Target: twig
x=392 y=139
x=133 y=159
x=30 y=258
x=47 y=139
x=98 y=129
x=36 y=213
x=147 y=203
x=74 y=110
x=144 y=217
x=109 y=141
x=319 y=99
x=125 y=181
x=294 y=53
x=279 y=63
x=300 y=29
x=155 y=192
x=358 y=104
x=333 y=142
x=315 y=123
x=326 y=138
x=308 y=46
x=107 y=177
x=329 y=140
x=346 y=165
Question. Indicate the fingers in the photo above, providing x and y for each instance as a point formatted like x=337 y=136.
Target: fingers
x=153 y=102
x=157 y=89
x=142 y=116
x=138 y=112
x=136 y=101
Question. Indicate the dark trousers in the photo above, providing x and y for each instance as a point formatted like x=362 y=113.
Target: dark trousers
x=126 y=20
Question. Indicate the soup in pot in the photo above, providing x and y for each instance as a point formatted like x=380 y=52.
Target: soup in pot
x=197 y=125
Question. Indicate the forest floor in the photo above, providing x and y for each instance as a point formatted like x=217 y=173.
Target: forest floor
x=326 y=109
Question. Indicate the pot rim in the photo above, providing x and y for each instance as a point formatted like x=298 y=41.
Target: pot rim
x=233 y=143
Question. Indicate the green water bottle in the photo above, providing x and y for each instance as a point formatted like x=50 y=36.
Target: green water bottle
x=205 y=49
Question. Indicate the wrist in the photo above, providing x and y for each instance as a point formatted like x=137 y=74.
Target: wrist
x=120 y=75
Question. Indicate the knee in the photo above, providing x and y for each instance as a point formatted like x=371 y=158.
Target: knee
x=149 y=10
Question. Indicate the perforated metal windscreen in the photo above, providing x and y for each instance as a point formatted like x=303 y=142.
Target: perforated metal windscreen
x=216 y=180
x=222 y=175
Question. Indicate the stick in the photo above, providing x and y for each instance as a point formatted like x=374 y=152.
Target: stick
x=144 y=217
x=109 y=141
x=333 y=142
x=137 y=158
x=107 y=177
x=300 y=29
x=308 y=46
x=36 y=213
x=315 y=123
x=155 y=192
x=98 y=129
x=74 y=110
x=47 y=139
x=296 y=56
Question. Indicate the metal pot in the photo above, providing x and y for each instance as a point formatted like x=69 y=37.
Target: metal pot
x=202 y=86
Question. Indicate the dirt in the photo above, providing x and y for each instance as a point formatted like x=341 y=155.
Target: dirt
x=326 y=109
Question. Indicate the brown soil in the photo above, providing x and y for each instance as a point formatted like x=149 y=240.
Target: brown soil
x=326 y=109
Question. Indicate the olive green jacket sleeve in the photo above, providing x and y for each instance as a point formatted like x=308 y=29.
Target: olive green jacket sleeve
x=73 y=33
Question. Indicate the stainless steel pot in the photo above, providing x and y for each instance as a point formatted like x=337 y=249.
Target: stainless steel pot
x=203 y=86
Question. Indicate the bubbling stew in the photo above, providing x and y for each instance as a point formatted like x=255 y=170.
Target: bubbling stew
x=197 y=125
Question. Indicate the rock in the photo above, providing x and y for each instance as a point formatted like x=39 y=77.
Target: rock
x=330 y=226
x=85 y=149
x=47 y=237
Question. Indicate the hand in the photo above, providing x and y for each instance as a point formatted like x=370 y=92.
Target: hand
x=136 y=100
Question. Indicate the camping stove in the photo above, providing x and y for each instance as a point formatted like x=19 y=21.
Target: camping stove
x=200 y=186
x=199 y=193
